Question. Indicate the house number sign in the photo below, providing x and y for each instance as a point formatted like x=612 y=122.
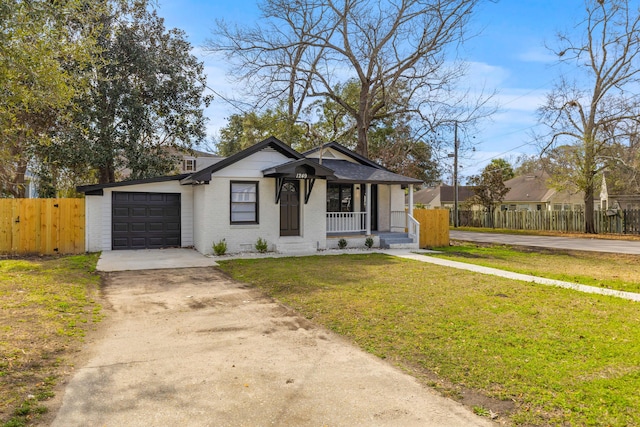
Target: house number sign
x=301 y=176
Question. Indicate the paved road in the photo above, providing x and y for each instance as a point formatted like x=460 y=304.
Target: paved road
x=190 y=347
x=570 y=243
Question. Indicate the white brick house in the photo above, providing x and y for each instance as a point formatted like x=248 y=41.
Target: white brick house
x=296 y=202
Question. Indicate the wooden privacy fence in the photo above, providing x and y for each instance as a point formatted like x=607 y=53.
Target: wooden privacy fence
x=617 y=222
x=42 y=226
x=434 y=227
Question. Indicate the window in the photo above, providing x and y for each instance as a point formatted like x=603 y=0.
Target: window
x=189 y=165
x=244 y=202
x=339 y=198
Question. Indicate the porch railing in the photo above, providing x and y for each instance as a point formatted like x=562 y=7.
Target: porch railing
x=346 y=222
x=413 y=228
x=398 y=221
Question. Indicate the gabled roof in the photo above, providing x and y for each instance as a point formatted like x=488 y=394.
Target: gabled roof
x=528 y=188
x=426 y=195
x=354 y=173
x=344 y=150
x=96 y=189
x=446 y=193
x=290 y=169
x=204 y=175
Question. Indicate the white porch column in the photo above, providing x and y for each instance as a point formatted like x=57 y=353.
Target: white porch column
x=411 y=199
x=368 y=209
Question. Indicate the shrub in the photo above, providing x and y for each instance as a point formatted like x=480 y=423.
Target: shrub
x=261 y=245
x=342 y=243
x=368 y=242
x=220 y=248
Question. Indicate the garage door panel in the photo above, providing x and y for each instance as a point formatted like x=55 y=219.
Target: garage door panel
x=157 y=211
x=120 y=227
x=172 y=226
x=138 y=227
x=155 y=226
x=145 y=220
x=120 y=212
x=138 y=212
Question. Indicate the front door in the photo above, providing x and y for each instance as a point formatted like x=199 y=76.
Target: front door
x=290 y=209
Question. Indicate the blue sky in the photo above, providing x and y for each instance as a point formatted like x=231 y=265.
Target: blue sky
x=508 y=56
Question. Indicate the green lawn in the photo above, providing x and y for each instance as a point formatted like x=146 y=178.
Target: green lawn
x=613 y=271
x=46 y=306
x=560 y=357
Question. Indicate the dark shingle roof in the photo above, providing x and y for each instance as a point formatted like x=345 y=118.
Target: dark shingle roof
x=354 y=173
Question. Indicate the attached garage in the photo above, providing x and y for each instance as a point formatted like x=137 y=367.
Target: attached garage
x=145 y=220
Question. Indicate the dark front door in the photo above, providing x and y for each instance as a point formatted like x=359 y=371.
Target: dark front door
x=290 y=209
x=145 y=220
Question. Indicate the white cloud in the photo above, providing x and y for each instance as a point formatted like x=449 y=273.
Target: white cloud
x=537 y=54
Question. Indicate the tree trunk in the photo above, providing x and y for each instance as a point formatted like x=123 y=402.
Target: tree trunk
x=107 y=174
x=589 y=226
x=362 y=147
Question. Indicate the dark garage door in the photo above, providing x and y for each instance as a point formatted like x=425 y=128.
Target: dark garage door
x=145 y=220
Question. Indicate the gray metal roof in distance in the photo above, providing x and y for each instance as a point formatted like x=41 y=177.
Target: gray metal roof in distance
x=353 y=173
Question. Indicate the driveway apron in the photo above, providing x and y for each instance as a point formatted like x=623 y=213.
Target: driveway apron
x=192 y=347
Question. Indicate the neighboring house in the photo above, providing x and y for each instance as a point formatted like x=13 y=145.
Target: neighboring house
x=442 y=196
x=197 y=160
x=617 y=201
x=296 y=202
x=532 y=193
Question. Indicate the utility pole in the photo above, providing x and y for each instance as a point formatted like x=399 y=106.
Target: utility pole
x=455 y=175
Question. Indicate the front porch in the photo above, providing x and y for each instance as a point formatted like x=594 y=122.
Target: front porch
x=354 y=227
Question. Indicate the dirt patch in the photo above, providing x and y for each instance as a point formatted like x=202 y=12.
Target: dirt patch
x=193 y=347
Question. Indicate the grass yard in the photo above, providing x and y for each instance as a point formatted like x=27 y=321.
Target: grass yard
x=539 y=355
x=46 y=305
x=548 y=233
x=613 y=271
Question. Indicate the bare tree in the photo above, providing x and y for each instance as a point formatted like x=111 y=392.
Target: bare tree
x=394 y=49
x=600 y=108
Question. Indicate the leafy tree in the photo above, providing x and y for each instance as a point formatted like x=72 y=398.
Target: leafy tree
x=394 y=51
x=246 y=129
x=393 y=146
x=144 y=102
x=488 y=187
x=502 y=166
x=601 y=109
x=45 y=47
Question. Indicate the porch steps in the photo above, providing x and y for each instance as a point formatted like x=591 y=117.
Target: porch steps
x=397 y=241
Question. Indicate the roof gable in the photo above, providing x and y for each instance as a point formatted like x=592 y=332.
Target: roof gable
x=204 y=175
x=344 y=151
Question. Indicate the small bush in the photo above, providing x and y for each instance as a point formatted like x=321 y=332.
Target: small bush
x=261 y=245
x=368 y=242
x=342 y=243
x=220 y=248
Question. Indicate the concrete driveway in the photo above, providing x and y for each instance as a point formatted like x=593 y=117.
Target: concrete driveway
x=192 y=347
x=149 y=259
x=568 y=243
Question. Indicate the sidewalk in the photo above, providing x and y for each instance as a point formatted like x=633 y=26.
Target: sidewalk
x=514 y=276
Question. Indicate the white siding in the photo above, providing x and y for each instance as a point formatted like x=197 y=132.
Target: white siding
x=384 y=208
x=214 y=222
x=98 y=213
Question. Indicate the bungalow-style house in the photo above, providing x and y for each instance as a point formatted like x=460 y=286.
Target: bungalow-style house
x=442 y=196
x=531 y=192
x=296 y=202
